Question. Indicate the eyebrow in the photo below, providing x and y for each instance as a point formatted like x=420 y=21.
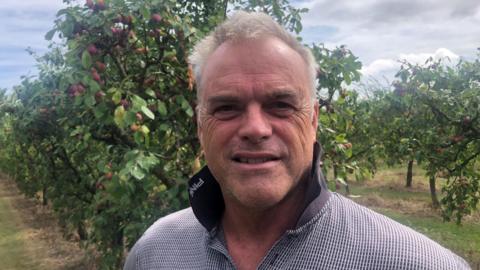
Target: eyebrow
x=282 y=94
x=222 y=99
x=278 y=94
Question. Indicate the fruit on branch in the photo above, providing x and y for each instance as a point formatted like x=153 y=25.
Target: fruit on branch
x=108 y=175
x=116 y=31
x=467 y=120
x=99 y=186
x=141 y=50
x=89 y=4
x=100 y=66
x=99 y=95
x=95 y=75
x=100 y=5
x=347 y=145
x=92 y=49
x=76 y=89
x=156 y=18
x=139 y=117
x=134 y=127
x=125 y=103
x=457 y=138
x=149 y=81
x=127 y=19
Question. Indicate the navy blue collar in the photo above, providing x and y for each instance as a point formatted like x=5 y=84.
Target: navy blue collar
x=207 y=202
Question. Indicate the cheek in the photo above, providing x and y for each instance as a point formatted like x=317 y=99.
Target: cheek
x=304 y=128
x=213 y=134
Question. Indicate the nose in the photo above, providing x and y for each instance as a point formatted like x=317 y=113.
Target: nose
x=255 y=126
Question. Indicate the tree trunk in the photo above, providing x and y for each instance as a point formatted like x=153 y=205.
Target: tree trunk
x=347 y=187
x=433 y=192
x=409 y=174
x=82 y=233
x=335 y=173
x=44 y=195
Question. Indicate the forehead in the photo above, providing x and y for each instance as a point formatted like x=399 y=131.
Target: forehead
x=257 y=65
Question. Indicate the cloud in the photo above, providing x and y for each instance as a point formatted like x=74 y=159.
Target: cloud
x=380 y=66
x=24 y=24
x=420 y=58
x=387 y=68
x=380 y=32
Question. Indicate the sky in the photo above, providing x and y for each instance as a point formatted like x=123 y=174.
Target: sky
x=378 y=32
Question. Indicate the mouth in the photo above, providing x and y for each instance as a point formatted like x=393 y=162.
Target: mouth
x=254 y=158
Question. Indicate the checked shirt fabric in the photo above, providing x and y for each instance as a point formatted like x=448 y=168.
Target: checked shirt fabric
x=332 y=233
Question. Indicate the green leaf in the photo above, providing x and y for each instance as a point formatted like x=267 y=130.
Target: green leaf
x=144 y=129
x=148 y=162
x=116 y=97
x=145 y=12
x=86 y=59
x=162 y=109
x=138 y=137
x=138 y=103
x=137 y=172
x=90 y=101
x=151 y=93
x=118 y=116
x=189 y=112
x=129 y=118
x=50 y=34
x=94 y=86
x=147 y=112
x=99 y=111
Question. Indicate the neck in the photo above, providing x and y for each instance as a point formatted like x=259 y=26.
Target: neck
x=264 y=223
x=251 y=233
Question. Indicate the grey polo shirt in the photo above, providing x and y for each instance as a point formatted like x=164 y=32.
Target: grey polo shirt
x=332 y=233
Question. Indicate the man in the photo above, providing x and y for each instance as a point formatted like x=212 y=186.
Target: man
x=262 y=202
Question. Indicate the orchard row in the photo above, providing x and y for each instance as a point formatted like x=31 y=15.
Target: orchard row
x=106 y=133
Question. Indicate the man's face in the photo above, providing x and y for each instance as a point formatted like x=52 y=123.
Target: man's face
x=257 y=124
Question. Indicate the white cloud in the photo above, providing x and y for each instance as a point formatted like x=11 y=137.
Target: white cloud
x=420 y=58
x=24 y=24
x=32 y=5
x=380 y=66
x=387 y=68
x=380 y=32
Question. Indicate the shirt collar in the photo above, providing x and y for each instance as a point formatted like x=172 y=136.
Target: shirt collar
x=207 y=202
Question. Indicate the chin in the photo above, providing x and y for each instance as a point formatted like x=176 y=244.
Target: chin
x=260 y=197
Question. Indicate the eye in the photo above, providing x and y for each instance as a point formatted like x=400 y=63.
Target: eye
x=225 y=112
x=282 y=105
x=281 y=108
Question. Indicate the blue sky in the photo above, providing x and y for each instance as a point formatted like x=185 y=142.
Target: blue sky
x=379 y=32
x=24 y=24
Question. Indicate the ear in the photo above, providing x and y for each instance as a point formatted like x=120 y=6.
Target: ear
x=199 y=127
x=315 y=119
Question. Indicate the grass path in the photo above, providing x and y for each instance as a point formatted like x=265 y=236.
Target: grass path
x=30 y=238
x=13 y=252
x=387 y=194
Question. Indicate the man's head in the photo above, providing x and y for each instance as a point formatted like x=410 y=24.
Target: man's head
x=257 y=117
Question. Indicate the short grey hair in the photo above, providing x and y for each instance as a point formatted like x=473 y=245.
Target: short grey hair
x=248 y=25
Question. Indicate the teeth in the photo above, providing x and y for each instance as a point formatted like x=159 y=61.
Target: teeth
x=254 y=160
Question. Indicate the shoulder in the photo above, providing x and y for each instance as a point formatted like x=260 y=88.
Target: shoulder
x=368 y=234
x=169 y=238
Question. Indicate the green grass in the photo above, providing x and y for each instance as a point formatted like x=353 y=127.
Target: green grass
x=386 y=193
x=13 y=254
x=464 y=240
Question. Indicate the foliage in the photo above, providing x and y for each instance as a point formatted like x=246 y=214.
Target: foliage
x=448 y=103
x=106 y=132
x=432 y=116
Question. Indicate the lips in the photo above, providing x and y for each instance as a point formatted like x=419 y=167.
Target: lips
x=254 y=158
